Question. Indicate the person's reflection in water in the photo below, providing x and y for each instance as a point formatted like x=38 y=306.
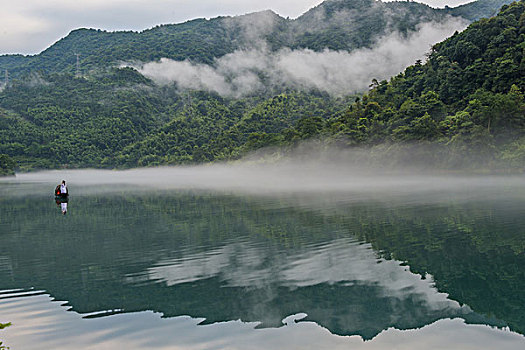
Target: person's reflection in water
x=62 y=203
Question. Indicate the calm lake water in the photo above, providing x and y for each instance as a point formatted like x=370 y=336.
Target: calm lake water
x=409 y=265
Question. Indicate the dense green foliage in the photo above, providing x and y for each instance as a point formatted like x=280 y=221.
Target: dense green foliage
x=214 y=128
x=70 y=125
x=467 y=99
x=64 y=120
x=7 y=165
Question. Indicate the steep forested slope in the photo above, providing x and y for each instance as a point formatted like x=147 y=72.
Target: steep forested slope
x=468 y=97
x=64 y=120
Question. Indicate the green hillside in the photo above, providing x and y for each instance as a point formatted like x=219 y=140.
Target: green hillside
x=462 y=108
x=466 y=100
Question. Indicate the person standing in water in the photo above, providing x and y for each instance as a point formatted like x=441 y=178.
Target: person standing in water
x=61 y=193
x=63 y=188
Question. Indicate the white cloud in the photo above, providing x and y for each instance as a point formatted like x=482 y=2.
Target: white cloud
x=336 y=72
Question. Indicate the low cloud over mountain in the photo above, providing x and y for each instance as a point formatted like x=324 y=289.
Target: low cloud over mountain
x=338 y=72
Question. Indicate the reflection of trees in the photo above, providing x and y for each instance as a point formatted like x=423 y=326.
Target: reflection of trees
x=475 y=251
x=86 y=257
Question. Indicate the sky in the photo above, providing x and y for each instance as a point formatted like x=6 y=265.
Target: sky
x=30 y=26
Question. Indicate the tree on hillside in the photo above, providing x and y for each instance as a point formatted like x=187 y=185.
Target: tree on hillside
x=7 y=165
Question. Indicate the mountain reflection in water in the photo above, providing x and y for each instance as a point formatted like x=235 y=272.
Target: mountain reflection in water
x=340 y=285
x=354 y=267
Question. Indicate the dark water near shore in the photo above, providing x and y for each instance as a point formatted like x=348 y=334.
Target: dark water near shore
x=208 y=269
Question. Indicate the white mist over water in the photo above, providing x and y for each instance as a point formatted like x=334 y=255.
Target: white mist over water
x=292 y=176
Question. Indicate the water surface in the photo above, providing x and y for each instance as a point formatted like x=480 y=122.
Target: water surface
x=138 y=266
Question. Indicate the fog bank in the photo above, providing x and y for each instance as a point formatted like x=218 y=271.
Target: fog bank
x=306 y=173
x=253 y=70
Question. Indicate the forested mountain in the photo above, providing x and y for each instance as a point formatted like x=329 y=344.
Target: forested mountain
x=334 y=24
x=467 y=97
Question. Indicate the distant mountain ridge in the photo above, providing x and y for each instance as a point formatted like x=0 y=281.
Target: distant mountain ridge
x=334 y=24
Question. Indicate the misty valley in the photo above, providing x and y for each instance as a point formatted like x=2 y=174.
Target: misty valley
x=348 y=179
x=346 y=74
